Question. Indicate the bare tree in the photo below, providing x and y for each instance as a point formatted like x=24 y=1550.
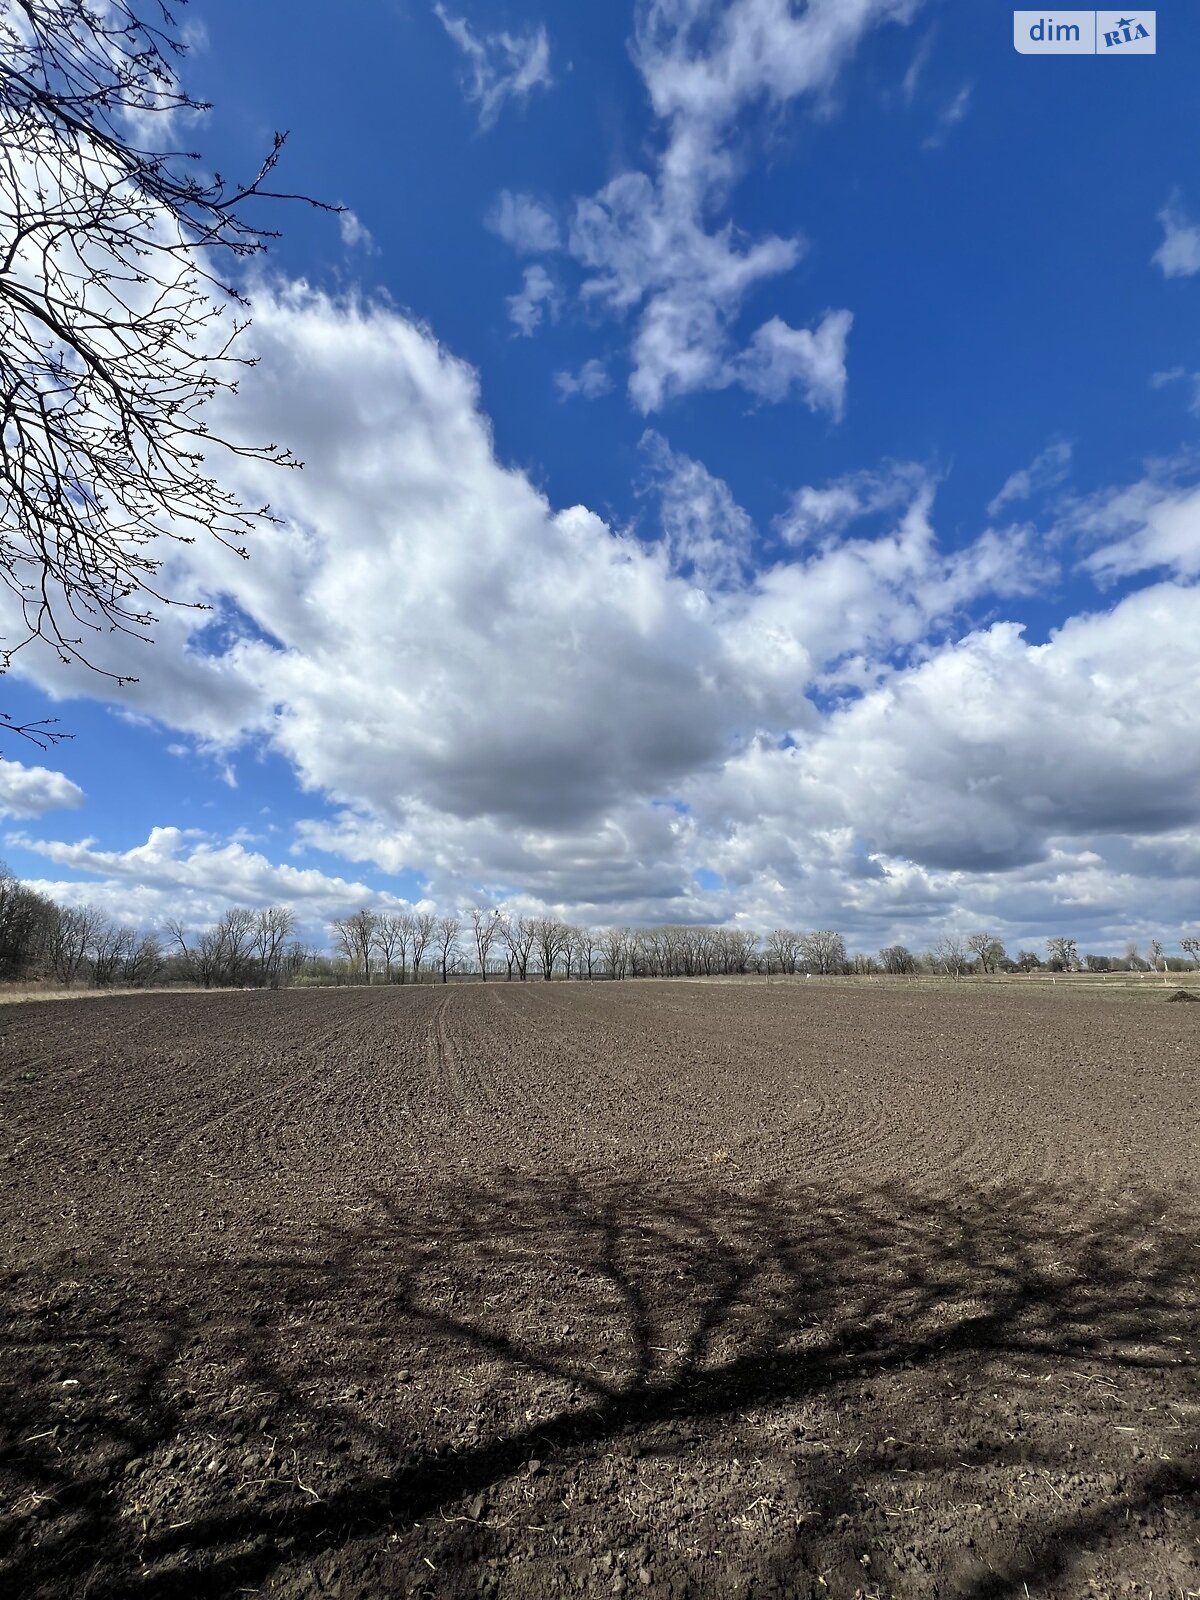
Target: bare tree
x=219 y=954
x=950 y=953
x=272 y=929
x=235 y=935
x=783 y=946
x=142 y=961
x=551 y=938
x=989 y=950
x=109 y=947
x=898 y=959
x=823 y=951
x=423 y=929
x=25 y=921
x=355 y=937
x=614 y=942
x=742 y=943
x=177 y=935
x=295 y=959
x=485 y=925
x=392 y=931
x=1190 y=944
x=518 y=934
x=117 y=328
x=69 y=935
x=448 y=930
x=587 y=947
x=1063 y=954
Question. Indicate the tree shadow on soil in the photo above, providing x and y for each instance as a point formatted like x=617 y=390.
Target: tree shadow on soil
x=519 y=1386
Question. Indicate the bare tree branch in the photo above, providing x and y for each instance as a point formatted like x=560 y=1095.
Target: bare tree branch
x=119 y=325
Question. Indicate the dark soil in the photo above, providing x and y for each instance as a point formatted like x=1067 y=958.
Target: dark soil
x=538 y=1290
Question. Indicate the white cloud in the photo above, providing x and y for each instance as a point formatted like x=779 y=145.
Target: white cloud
x=29 y=791
x=951 y=114
x=838 y=616
x=538 y=296
x=497 y=693
x=1160 y=380
x=703 y=64
x=1179 y=253
x=643 y=246
x=354 y=233
x=823 y=513
x=591 y=381
x=779 y=359
x=1046 y=471
x=975 y=758
x=1144 y=527
x=916 y=67
x=524 y=223
x=646 y=242
x=706 y=534
x=185 y=873
x=500 y=66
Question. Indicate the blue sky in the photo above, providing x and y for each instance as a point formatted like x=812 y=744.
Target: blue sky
x=751 y=471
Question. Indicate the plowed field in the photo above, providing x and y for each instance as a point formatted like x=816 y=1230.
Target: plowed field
x=547 y=1289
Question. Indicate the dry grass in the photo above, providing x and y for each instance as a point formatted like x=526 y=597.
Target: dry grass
x=1116 y=985
x=16 y=993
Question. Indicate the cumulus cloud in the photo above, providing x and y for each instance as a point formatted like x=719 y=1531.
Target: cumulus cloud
x=523 y=223
x=975 y=758
x=499 y=66
x=186 y=873
x=30 y=791
x=1179 y=253
x=1046 y=471
x=1152 y=525
x=538 y=297
x=509 y=697
x=839 y=614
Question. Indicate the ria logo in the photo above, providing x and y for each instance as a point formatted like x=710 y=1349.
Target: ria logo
x=1125 y=31
x=1084 y=33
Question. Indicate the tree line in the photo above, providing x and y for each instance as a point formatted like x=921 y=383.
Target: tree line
x=246 y=948
x=489 y=944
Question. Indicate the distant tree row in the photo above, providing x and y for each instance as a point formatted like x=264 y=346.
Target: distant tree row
x=487 y=943
x=243 y=948
x=70 y=945
x=403 y=948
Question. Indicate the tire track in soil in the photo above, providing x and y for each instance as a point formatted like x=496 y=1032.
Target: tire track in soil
x=360 y=1109
x=460 y=1083
x=265 y=1136
x=479 y=1053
